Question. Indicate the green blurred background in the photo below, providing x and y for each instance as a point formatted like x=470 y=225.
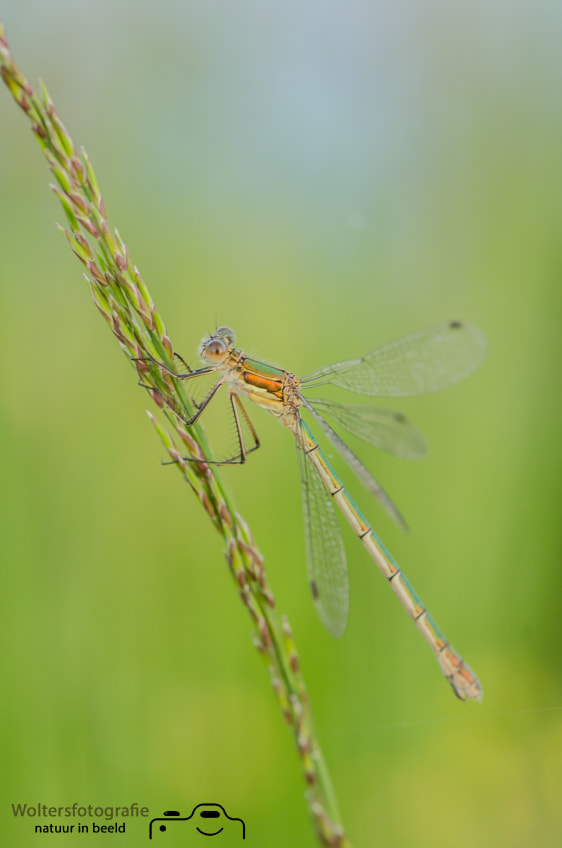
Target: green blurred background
x=323 y=177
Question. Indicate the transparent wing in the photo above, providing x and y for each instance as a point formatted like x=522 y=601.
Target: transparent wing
x=423 y=362
x=363 y=474
x=325 y=554
x=384 y=428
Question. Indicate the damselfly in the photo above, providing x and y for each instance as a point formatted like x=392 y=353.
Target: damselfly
x=426 y=361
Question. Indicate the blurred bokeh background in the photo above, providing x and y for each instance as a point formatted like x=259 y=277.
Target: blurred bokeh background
x=324 y=178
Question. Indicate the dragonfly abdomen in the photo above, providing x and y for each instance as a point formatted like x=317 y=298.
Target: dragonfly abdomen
x=464 y=682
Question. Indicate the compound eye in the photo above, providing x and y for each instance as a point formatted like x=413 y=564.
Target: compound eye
x=216 y=350
x=227 y=334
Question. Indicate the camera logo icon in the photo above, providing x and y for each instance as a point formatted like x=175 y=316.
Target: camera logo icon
x=206 y=819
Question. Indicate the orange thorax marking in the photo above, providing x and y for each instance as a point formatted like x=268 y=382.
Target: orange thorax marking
x=258 y=381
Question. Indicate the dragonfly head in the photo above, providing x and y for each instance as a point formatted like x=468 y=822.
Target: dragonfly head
x=217 y=347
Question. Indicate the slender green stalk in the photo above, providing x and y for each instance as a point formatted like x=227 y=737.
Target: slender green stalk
x=120 y=294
